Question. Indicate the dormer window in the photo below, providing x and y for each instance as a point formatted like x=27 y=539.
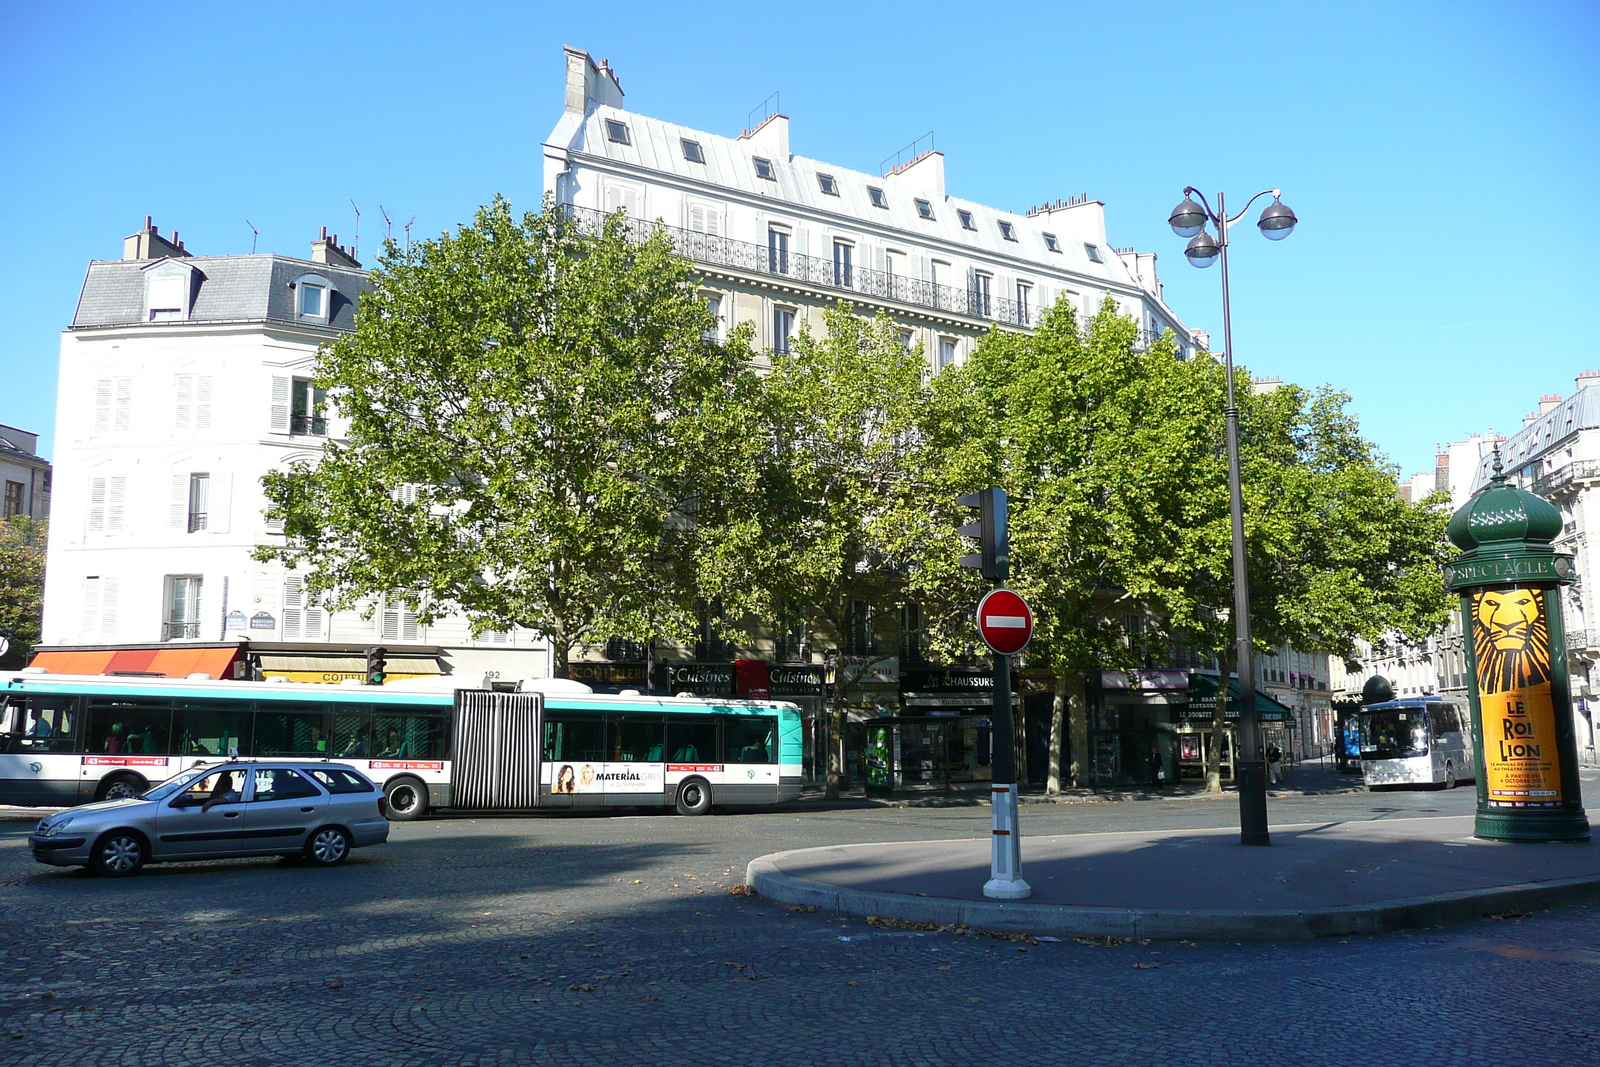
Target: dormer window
x=167 y=296
x=692 y=150
x=1051 y=243
x=1094 y=253
x=965 y=217
x=876 y=196
x=924 y=210
x=313 y=298
x=828 y=186
x=617 y=132
x=1008 y=231
x=764 y=169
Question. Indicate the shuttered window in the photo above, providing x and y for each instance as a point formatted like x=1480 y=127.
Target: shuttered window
x=113 y=400
x=302 y=620
x=280 y=404
x=108 y=500
x=400 y=624
x=624 y=198
x=704 y=218
x=194 y=402
x=99 y=608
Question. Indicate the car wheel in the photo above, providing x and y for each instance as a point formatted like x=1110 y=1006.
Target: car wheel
x=694 y=797
x=1449 y=775
x=120 y=787
x=118 y=854
x=328 y=847
x=407 y=799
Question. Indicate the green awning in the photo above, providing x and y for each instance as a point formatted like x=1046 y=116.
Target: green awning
x=1203 y=702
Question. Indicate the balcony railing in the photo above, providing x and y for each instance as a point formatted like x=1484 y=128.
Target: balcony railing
x=818 y=272
x=1562 y=477
x=197 y=521
x=179 y=631
x=313 y=425
x=1578 y=640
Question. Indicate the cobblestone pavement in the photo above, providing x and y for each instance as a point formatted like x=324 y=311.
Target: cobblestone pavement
x=615 y=939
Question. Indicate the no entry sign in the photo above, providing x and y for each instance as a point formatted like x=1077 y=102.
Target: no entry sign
x=1005 y=622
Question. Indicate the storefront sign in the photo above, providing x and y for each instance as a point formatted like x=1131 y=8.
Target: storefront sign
x=752 y=679
x=1144 y=679
x=700 y=679
x=608 y=675
x=788 y=682
x=1511 y=645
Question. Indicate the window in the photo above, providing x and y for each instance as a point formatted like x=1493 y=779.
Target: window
x=211 y=728
x=400 y=623
x=281 y=783
x=108 y=499
x=168 y=296
x=1094 y=253
x=1051 y=243
x=14 y=503
x=636 y=740
x=965 y=217
x=182 y=619
x=1008 y=231
x=714 y=305
x=692 y=150
x=947 y=352
x=617 y=132
x=409 y=733
x=924 y=210
x=193 y=402
x=750 y=738
x=311 y=300
x=782 y=330
x=302 y=619
x=828 y=185
x=336 y=781
x=1024 y=302
x=574 y=735
x=100 y=597
x=112 y=404
x=621 y=650
x=309 y=406
x=777 y=250
x=790 y=646
x=908 y=340
x=705 y=218
x=199 y=498
x=875 y=195
x=858 y=637
x=121 y=726
x=691 y=741
x=764 y=170
x=843 y=259
x=980 y=293
x=292 y=729
x=911 y=634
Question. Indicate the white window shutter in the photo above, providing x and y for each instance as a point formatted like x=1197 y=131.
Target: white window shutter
x=714 y=221
x=184 y=418
x=167 y=292
x=697 y=218
x=178 y=515
x=280 y=404
x=102 y=405
x=219 y=509
x=97 y=505
x=90 y=628
x=116 y=503
x=293 y=605
x=108 y=608
x=202 y=402
x=390 y=630
x=124 y=404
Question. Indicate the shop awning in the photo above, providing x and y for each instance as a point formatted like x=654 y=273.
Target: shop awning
x=176 y=662
x=334 y=669
x=1203 y=702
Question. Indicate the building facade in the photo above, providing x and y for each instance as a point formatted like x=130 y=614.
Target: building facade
x=24 y=474
x=183 y=380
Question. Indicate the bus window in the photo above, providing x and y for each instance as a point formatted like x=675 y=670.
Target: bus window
x=40 y=723
x=573 y=737
x=352 y=733
x=284 y=729
x=692 y=740
x=128 y=727
x=1445 y=719
x=750 y=738
x=1394 y=734
x=636 y=740
x=400 y=732
x=211 y=727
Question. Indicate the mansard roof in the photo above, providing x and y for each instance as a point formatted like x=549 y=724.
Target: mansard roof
x=243 y=288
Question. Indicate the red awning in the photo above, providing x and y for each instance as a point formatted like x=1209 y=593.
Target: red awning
x=177 y=662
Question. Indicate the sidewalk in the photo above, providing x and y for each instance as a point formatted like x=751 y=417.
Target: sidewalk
x=1317 y=880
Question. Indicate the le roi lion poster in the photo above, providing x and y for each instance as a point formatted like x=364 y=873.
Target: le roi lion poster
x=1511 y=643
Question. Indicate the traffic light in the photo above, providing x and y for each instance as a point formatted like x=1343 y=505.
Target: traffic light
x=993 y=557
x=377 y=665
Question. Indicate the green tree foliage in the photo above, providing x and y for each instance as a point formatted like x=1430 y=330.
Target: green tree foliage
x=22 y=550
x=540 y=434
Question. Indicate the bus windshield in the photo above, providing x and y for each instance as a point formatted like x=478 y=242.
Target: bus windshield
x=1395 y=734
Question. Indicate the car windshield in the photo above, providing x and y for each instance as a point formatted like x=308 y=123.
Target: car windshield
x=1394 y=734
x=177 y=784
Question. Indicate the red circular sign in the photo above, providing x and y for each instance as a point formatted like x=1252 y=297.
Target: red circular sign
x=1005 y=621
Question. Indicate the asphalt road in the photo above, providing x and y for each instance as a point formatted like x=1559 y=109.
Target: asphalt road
x=615 y=939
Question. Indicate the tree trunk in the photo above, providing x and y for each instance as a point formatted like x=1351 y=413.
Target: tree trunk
x=560 y=657
x=1058 y=726
x=1078 y=717
x=1219 y=726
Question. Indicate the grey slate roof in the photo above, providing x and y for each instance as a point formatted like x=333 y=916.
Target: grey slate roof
x=1580 y=411
x=229 y=289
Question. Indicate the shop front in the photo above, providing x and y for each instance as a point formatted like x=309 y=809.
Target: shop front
x=1135 y=717
x=1196 y=733
x=938 y=737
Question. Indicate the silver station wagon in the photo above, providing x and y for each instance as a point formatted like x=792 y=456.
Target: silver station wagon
x=241 y=808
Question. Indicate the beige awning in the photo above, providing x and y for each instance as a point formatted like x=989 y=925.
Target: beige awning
x=410 y=666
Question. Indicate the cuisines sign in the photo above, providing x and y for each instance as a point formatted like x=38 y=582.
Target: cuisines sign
x=1005 y=621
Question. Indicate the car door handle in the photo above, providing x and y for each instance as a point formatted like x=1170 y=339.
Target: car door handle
x=230 y=815
x=308 y=810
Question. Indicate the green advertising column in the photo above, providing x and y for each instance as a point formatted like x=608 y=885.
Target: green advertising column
x=1509 y=579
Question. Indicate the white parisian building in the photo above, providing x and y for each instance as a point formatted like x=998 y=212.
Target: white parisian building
x=776 y=236
x=183 y=380
x=24 y=474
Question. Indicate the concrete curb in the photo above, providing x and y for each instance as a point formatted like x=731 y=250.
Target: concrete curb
x=1168 y=924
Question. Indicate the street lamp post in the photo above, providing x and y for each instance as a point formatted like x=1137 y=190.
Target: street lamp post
x=1189 y=220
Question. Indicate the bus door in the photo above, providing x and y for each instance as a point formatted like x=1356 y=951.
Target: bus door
x=495 y=751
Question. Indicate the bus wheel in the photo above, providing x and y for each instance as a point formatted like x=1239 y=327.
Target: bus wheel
x=408 y=799
x=1449 y=775
x=118 y=854
x=694 y=797
x=119 y=787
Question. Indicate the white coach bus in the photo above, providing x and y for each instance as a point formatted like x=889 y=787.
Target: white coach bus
x=1416 y=741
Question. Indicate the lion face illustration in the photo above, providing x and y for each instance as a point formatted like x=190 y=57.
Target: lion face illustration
x=1510 y=639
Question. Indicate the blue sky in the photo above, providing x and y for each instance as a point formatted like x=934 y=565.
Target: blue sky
x=1430 y=150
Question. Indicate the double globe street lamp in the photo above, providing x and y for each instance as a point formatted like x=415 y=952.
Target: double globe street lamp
x=1189 y=220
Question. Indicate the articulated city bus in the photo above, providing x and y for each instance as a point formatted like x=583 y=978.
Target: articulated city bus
x=74 y=739
x=1416 y=741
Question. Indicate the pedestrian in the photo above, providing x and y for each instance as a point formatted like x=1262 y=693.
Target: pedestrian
x=1275 y=764
x=1158 y=770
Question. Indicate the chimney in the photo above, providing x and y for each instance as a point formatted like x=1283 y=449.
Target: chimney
x=590 y=85
x=925 y=174
x=1588 y=378
x=149 y=244
x=326 y=249
x=1529 y=419
x=1549 y=402
x=771 y=136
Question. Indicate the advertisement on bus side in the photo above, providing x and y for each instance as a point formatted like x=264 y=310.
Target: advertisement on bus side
x=577 y=776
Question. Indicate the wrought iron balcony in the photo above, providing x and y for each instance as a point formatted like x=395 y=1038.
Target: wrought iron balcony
x=179 y=631
x=312 y=425
x=819 y=272
x=1565 y=477
x=1578 y=640
x=197 y=521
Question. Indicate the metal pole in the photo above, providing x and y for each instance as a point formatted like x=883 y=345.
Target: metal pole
x=1250 y=768
x=1005 y=865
